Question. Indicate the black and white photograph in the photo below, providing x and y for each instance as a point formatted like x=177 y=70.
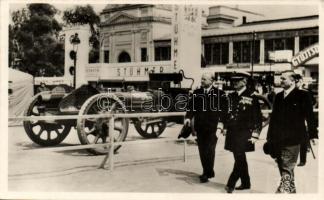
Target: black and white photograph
x=160 y=99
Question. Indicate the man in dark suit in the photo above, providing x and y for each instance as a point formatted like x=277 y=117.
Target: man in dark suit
x=243 y=128
x=287 y=129
x=207 y=107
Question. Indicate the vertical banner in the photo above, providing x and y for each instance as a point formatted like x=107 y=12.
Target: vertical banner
x=186 y=42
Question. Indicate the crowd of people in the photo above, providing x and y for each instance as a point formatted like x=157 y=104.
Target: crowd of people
x=239 y=119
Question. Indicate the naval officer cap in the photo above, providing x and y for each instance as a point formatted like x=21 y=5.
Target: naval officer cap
x=237 y=76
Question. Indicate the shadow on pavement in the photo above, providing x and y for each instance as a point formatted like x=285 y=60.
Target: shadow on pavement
x=190 y=178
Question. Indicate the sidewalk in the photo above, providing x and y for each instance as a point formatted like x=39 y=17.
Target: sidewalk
x=148 y=168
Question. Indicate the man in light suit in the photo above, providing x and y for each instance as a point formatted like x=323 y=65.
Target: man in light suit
x=207 y=107
x=287 y=129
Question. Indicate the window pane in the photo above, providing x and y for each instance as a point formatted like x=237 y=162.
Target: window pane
x=208 y=53
x=157 y=56
x=224 y=53
x=216 y=53
x=289 y=44
x=143 y=54
x=106 y=56
x=246 y=51
x=256 y=51
x=237 y=52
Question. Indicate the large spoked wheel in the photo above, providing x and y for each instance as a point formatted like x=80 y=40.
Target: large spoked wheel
x=44 y=133
x=150 y=127
x=96 y=131
x=265 y=105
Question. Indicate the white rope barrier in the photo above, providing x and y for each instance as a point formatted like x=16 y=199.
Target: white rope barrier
x=108 y=115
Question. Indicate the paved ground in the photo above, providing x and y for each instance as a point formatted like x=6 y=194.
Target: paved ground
x=147 y=168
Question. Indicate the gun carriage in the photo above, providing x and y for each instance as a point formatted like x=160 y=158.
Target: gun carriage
x=105 y=96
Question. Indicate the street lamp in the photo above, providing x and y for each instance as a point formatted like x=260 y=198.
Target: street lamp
x=75 y=41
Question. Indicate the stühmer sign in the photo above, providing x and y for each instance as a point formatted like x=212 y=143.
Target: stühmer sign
x=305 y=55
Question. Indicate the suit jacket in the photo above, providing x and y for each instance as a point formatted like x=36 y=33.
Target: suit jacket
x=207 y=109
x=245 y=117
x=287 y=123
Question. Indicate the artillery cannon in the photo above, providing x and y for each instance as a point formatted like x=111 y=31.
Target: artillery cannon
x=99 y=98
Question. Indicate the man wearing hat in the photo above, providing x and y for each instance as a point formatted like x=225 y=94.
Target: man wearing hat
x=207 y=107
x=243 y=128
x=287 y=129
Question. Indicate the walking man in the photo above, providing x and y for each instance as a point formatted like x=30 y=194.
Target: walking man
x=287 y=130
x=243 y=128
x=207 y=107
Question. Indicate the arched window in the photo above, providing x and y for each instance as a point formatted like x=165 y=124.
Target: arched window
x=124 y=57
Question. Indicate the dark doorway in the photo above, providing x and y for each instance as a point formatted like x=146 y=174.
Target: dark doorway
x=124 y=57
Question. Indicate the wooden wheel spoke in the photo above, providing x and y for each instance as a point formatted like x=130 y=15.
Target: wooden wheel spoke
x=96 y=139
x=48 y=135
x=41 y=130
x=152 y=126
x=57 y=132
x=91 y=132
x=113 y=107
x=94 y=109
x=146 y=128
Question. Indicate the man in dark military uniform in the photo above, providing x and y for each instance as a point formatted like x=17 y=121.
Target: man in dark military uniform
x=207 y=107
x=243 y=128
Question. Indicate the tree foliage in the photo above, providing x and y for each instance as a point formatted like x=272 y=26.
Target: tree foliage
x=33 y=39
x=81 y=15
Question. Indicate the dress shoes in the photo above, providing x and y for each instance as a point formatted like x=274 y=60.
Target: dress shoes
x=229 y=189
x=243 y=187
x=203 y=179
x=301 y=164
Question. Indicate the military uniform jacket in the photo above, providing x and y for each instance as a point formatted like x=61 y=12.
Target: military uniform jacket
x=244 y=118
x=207 y=109
x=287 y=123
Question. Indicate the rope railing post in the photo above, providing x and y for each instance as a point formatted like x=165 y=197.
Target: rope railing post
x=184 y=150
x=112 y=146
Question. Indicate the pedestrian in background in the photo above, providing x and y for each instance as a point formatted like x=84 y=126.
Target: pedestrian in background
x=243 y=128
x=207 y=107
x=287 y=129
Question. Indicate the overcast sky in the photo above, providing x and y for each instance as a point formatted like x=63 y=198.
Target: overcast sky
x=270 y=11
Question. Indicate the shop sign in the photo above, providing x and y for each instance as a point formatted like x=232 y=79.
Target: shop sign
x=280 y=56
x=305 y=55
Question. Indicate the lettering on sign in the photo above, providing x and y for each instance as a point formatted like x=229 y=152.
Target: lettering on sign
x=138 y=71
x=305 y=55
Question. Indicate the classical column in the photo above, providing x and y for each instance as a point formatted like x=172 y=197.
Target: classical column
x=111 y=48
x=150 y=46
x=133 y=53
x=262 y=51
x=296 y=49
x=102 y=49
x=230 y=52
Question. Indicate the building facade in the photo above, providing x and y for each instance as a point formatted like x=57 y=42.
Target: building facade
x=232 y=39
